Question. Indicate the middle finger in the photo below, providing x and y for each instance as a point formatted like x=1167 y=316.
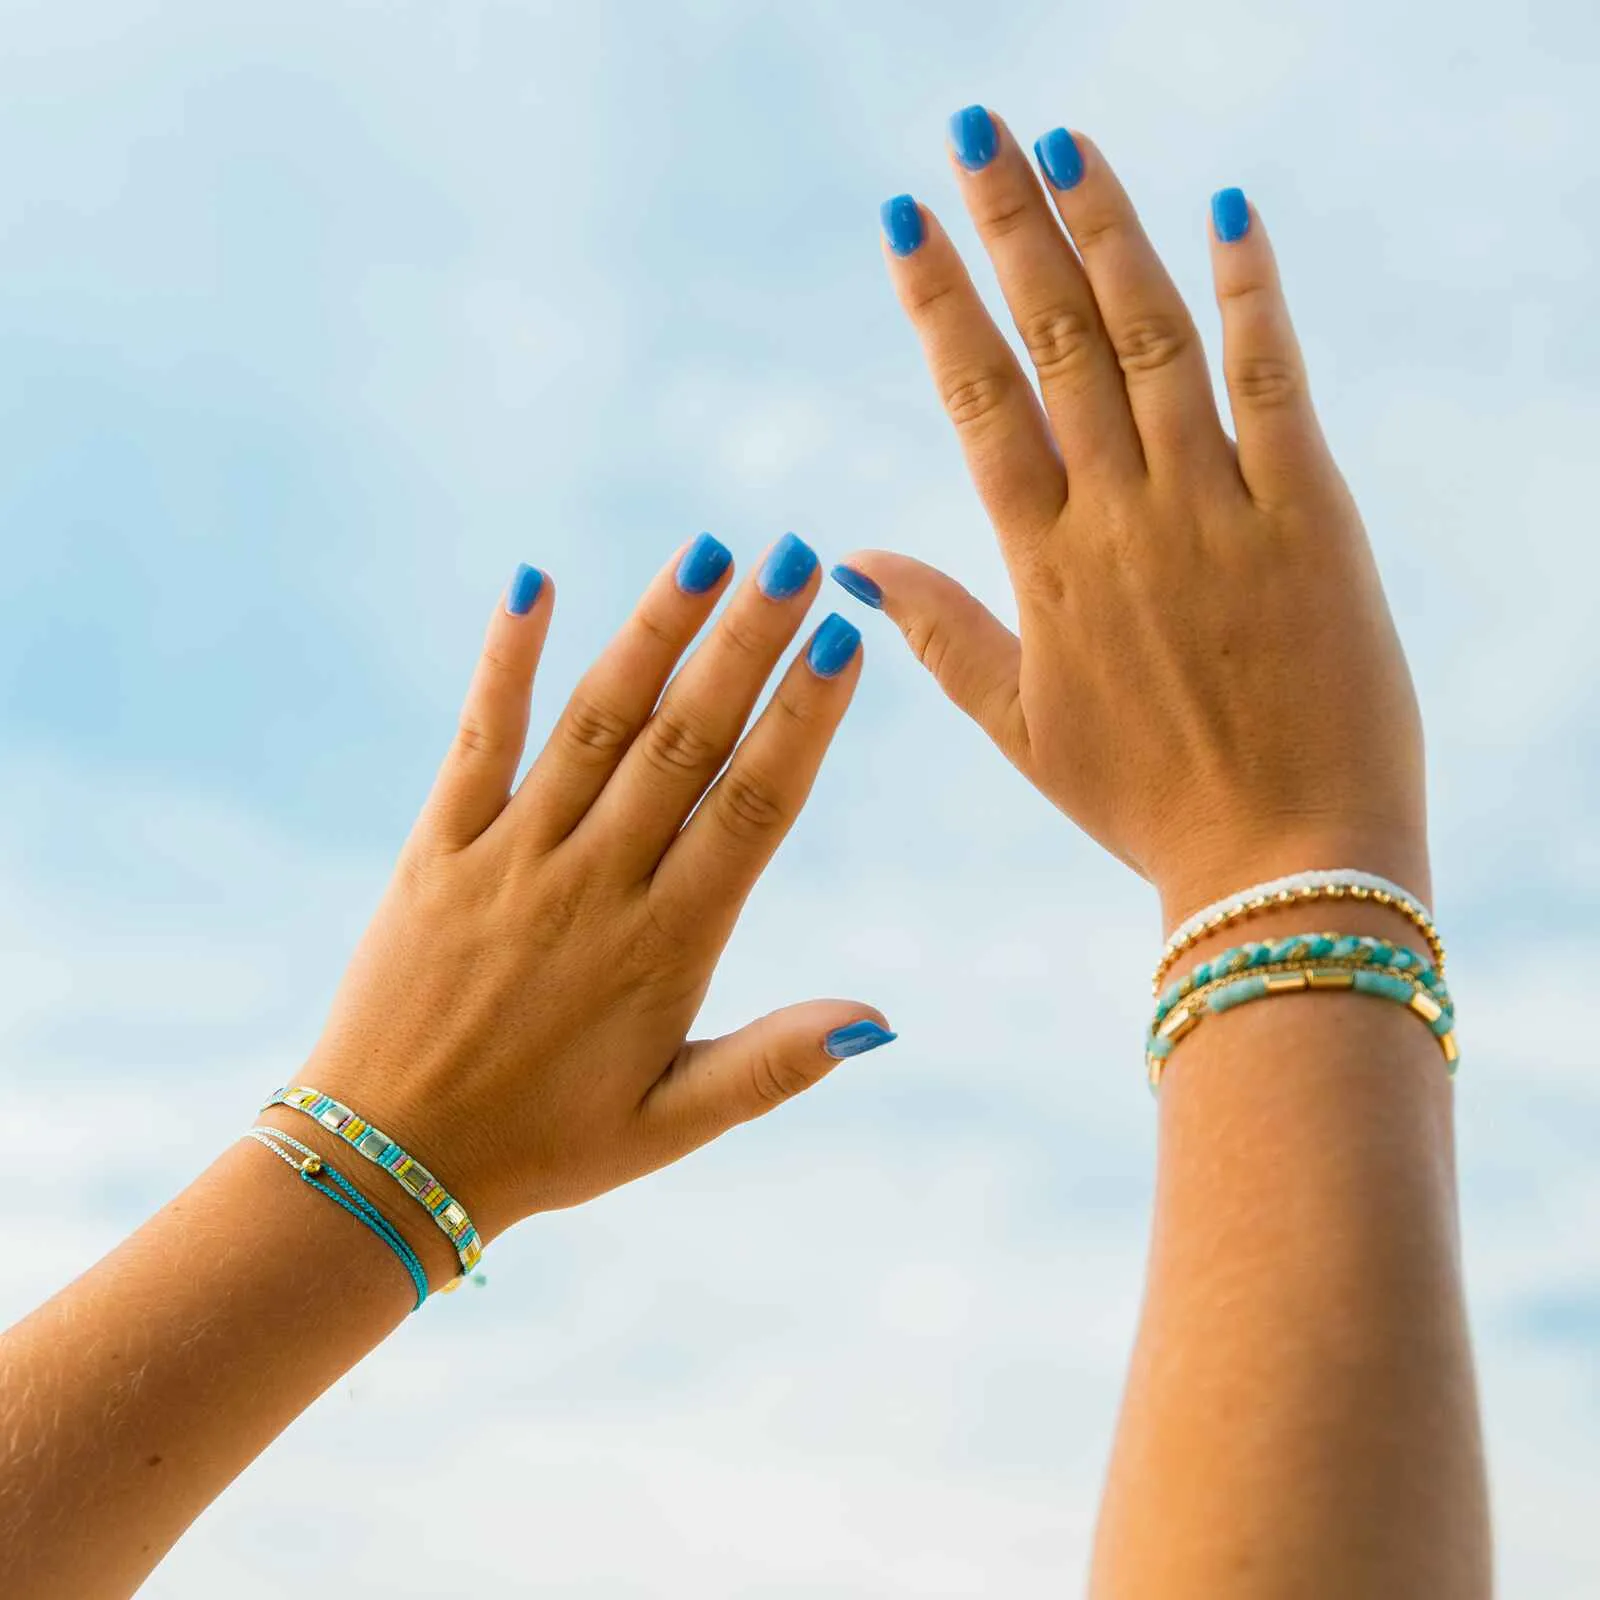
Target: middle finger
x=688 y=740
x=1051 y=303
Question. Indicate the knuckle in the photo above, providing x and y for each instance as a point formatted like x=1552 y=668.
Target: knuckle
x=1006 y=216
x=1057 y=340
x=1264 y=382
x=971 y=398
x=474 y=740
x=676 y=741
x=929 y=643
x=1151 y=343
x=923 y=298
x=596 y=730
x=750 y=805
x=777 y=1077
x=740 y=634
x=656 y=628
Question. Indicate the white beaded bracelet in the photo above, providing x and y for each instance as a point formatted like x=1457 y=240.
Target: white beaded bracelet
x=1339 y=883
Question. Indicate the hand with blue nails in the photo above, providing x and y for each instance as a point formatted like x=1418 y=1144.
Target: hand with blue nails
x=523 y=999
x=1205 y=677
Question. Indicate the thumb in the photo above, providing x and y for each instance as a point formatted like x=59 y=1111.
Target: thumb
x=715 y=1083
x=972 y=655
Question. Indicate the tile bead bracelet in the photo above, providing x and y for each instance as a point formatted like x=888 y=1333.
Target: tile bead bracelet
x=312 y=1169
x=449 y=1215
x=1342 y=883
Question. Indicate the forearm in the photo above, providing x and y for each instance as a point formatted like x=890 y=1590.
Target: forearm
x=130 y=1400
x=1301 y=1415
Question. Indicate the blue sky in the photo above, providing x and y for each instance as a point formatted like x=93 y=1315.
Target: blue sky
x=314 y=320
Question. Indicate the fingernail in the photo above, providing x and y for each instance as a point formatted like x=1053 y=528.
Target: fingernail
x=902 y=224
x=1230 y=214
x=832 y=646
x=973 y=136
x=703 y=564
x=855 y=1039
x=526 y=583
x=858 y=584
x=1060 y=158
x=787 y=569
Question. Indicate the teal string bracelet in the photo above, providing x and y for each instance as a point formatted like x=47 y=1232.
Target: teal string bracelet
x=1333 y=948
x=310 y=1168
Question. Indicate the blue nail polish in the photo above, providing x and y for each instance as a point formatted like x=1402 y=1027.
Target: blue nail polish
x=902 y=224
x=1060 y=158
x=858 y=584
x=855 y=1039
x=1230 y=214
x=703 y=564
x=787 y=569
x=973 y=136
x=832 y=646
x=526 y=583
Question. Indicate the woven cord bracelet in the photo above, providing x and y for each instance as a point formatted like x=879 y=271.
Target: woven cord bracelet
x=1343 y=883
x=449 y=1215
x=312 y=1169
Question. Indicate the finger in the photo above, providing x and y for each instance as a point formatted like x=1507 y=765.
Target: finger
x=1049 y=295
x=1280 y=441
x=972 y=655
x=1163 y=364
x=715 y=1084
x=615 y=697
x=1010 y=453
x=713 y=864
x=475 y=780
x=685 y=744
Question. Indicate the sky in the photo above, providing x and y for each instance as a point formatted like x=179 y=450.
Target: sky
x=315 y=319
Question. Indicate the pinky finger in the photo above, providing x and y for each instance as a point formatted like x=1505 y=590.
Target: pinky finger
x=1280 y=441
x=475 y=780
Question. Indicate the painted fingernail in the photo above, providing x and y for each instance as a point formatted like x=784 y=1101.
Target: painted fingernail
x=832 y=646
x=902 y=224
x=526 y=583
x=703 y=564
x=1059 y=158
x=1230 y=214
x=973 y=136
x=787 y=569
x=855 y=1039
x=858 y=584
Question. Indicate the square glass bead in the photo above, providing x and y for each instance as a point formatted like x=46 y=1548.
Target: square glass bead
x=414 y=1179
x=453 y=1216
x=373 y=1143
x=334 y=1117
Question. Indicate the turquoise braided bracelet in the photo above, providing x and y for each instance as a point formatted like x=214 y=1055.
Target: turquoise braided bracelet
x=1288 y=966
x=311 y=1168
x=449 y=1215
x=1347 y=949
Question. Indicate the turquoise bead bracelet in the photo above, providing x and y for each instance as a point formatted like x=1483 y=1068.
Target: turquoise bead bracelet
x=1224 y=993
x=448 y=1214
x=1338 y=949
x=312 y=1169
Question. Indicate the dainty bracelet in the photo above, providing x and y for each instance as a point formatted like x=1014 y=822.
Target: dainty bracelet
x=1342 y=883
x=1332 y=949
x=448 y=1214
x=311 y=1169
x=1226 y=993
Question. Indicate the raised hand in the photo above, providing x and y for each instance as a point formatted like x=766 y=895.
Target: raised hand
x=519 y=1005
x=1207 y=678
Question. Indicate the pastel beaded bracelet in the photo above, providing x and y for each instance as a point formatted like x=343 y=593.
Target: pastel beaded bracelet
x=311 y=1169
x=1341 y=883
x=449 y=1215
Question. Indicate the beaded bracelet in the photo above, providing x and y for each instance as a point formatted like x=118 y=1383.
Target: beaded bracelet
x=448 y=1214
x=1328 y=948
x=311 y=1168
x=1224 y=993
x=1343 y=883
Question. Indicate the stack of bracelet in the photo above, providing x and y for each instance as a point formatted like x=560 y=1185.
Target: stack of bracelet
x=448 y=1214
x=1306 y=961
